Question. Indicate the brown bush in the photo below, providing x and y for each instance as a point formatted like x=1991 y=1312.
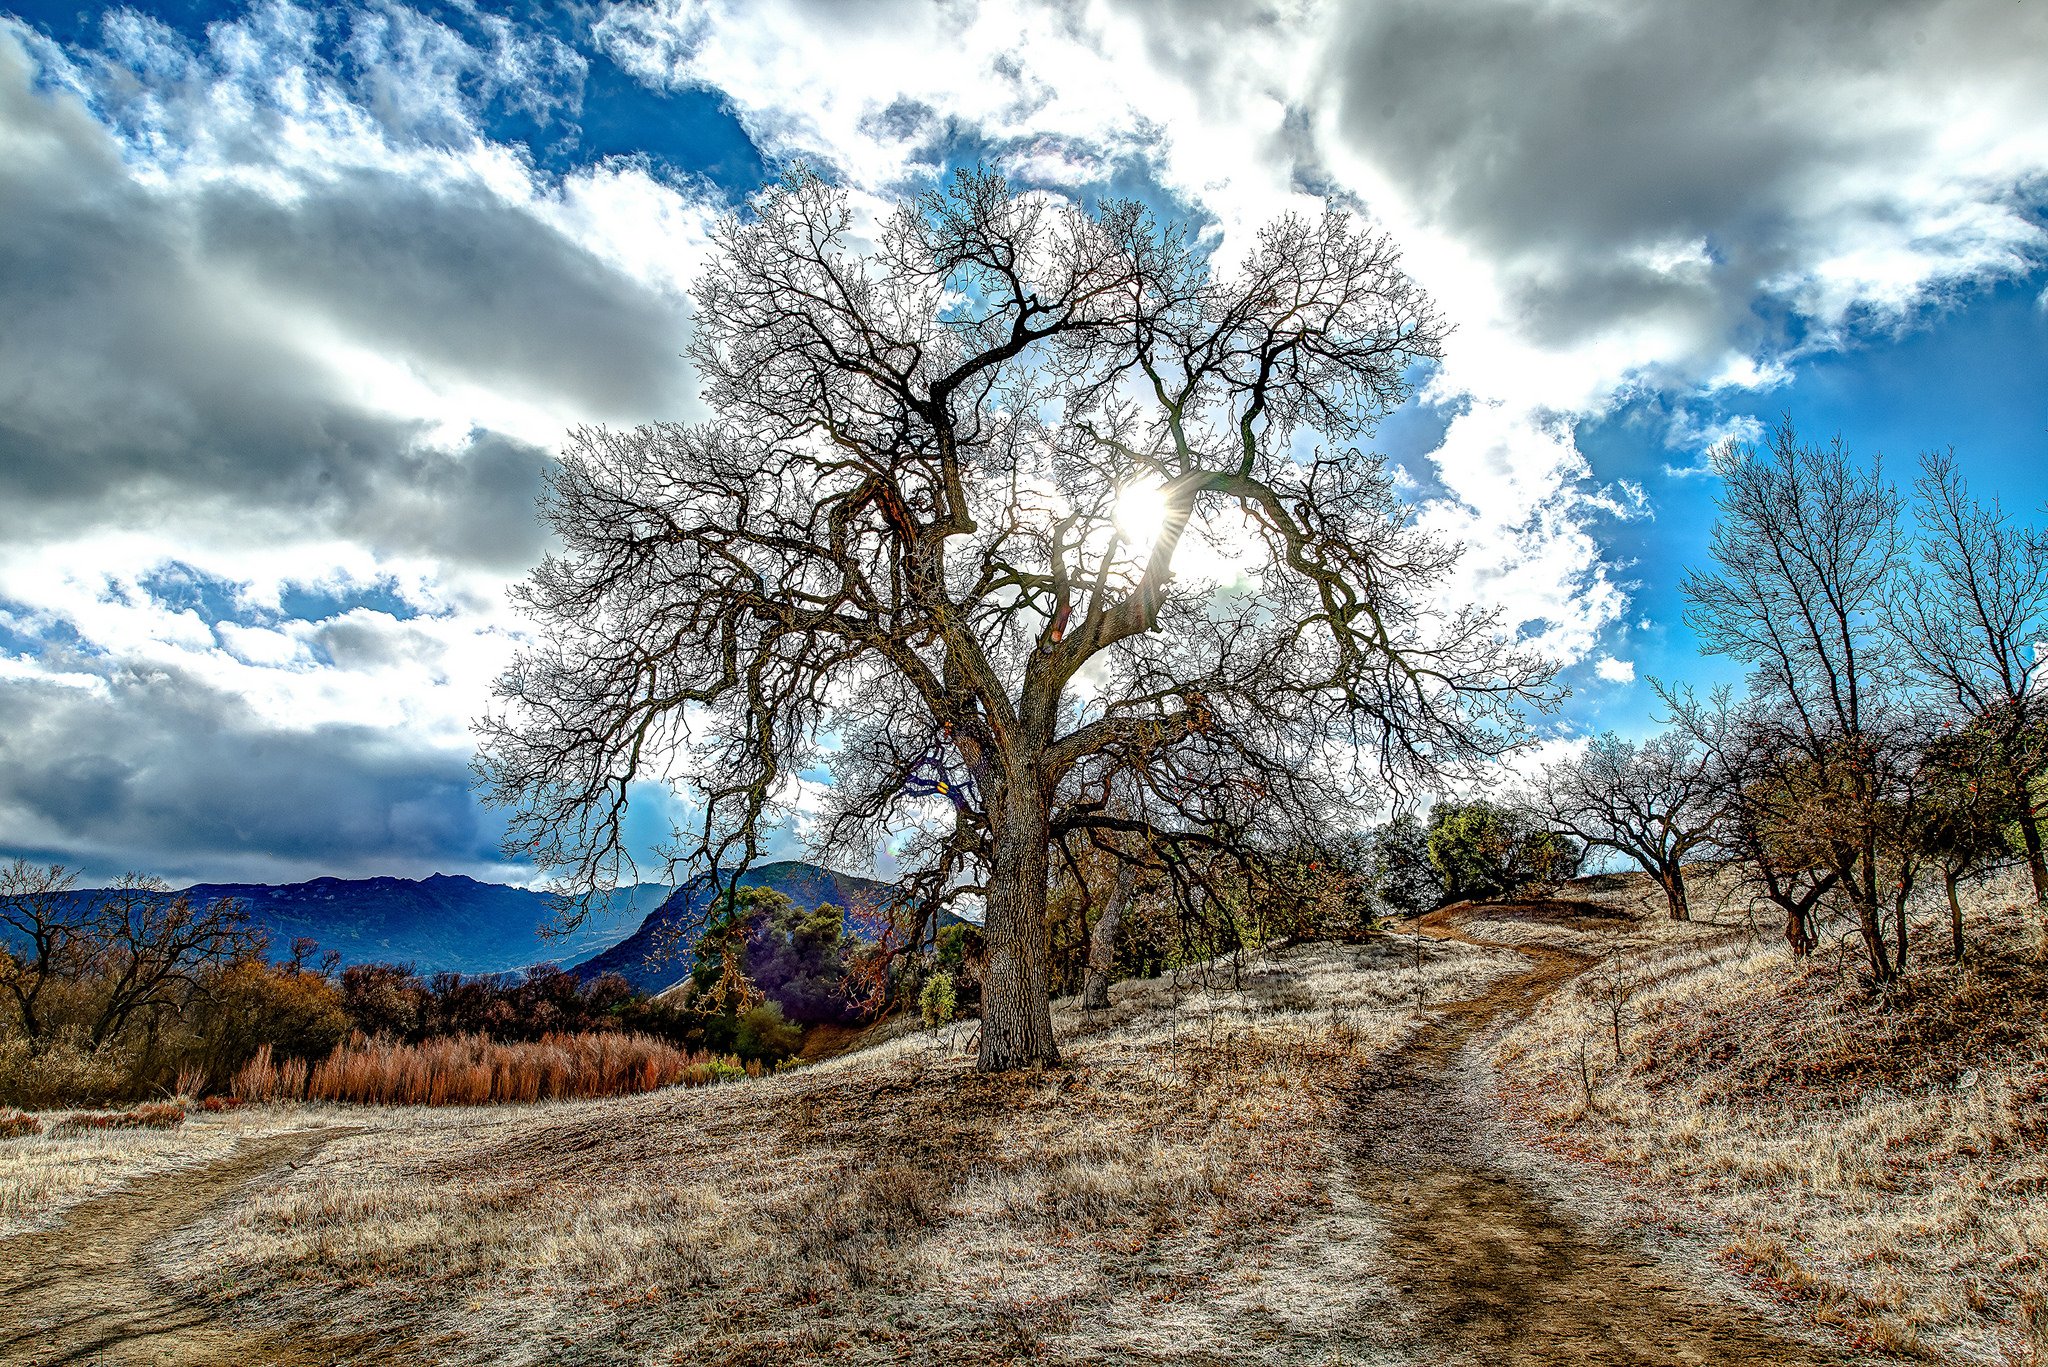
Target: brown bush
x=471 y=1070
x=156 y=1115
x=19 y=1125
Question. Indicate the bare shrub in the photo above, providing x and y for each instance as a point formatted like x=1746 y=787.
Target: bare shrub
x=60 y=1074
x=472 y=1070
x=156 y=1115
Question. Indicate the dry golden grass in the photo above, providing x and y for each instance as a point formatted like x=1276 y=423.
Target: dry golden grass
x=1882 y=1164
x=42 y=1175
x=1178 y=1193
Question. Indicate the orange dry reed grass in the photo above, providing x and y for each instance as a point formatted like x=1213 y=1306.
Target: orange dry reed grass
x=470 y=1070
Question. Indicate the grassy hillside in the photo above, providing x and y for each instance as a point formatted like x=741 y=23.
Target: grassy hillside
x=1417 y=1150
x=1880 y=1164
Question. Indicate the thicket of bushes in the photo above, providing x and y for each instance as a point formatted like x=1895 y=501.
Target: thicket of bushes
x=135 y=997
x=1188 y=910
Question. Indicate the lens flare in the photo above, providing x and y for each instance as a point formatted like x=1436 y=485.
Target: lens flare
x=1141 y=512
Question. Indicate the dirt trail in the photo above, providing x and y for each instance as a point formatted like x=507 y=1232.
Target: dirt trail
x=82 y=1293
x=1497 y=1273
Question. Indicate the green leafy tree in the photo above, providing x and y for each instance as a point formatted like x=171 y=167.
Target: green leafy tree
x=796 y=957
x=1483 y=849
x=1472 y=848
x=1404 y=878
x=1547 y=857
x=1968 y=809
x=935 y=1001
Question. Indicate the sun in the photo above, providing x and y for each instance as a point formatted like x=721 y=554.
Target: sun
x=1141 y=512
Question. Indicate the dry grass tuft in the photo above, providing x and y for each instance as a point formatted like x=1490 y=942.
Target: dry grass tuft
x=1880 y=1162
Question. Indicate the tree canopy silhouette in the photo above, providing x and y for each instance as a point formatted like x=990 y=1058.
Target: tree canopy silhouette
x=1028 y=526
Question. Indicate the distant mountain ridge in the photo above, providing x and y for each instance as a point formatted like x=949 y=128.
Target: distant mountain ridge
x=447 y=922
x=659 y=953
x=454 y=923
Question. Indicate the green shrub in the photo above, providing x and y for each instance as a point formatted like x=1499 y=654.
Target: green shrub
x=935 y=1000
x=1404 y=879
x=763 y=1035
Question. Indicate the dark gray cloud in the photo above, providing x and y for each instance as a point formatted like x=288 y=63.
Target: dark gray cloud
x=1571 y=146
x=180 y=350
x=162 y=772
x=458 y=281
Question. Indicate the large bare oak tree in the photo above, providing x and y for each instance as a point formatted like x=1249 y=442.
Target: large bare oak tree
x=1029 y=526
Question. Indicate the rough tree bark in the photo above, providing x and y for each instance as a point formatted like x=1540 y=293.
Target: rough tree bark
x=1672 y=881
x=1016 y=1011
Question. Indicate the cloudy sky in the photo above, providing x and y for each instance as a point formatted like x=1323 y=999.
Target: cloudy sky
x=295 y=302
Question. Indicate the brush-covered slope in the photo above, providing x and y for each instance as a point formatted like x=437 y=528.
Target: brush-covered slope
x=658 y=954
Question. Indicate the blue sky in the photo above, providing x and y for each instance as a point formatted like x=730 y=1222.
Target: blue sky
x=301 y=300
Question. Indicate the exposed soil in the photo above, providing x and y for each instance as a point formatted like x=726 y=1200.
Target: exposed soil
x=81 y=1293
x=1495 y=1270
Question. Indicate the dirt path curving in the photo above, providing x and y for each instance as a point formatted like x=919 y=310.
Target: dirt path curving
x=1497 y=1273
x=82 y=1293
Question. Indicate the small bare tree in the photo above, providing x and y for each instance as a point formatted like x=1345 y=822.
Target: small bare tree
x=1806 y=547
x=1970 y=616
x=151 y=946
x=136 y=949
x=936 y=536
x=48 y=946
x=1652 y=802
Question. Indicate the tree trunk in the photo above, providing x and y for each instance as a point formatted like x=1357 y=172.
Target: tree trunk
x=1955 y=914
x=1102 y=940
x=1016 y=1017
x=2030 y=838
x=1899 y=925
x=1798 y=930
x=1672 y=881
x=1870 y=924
